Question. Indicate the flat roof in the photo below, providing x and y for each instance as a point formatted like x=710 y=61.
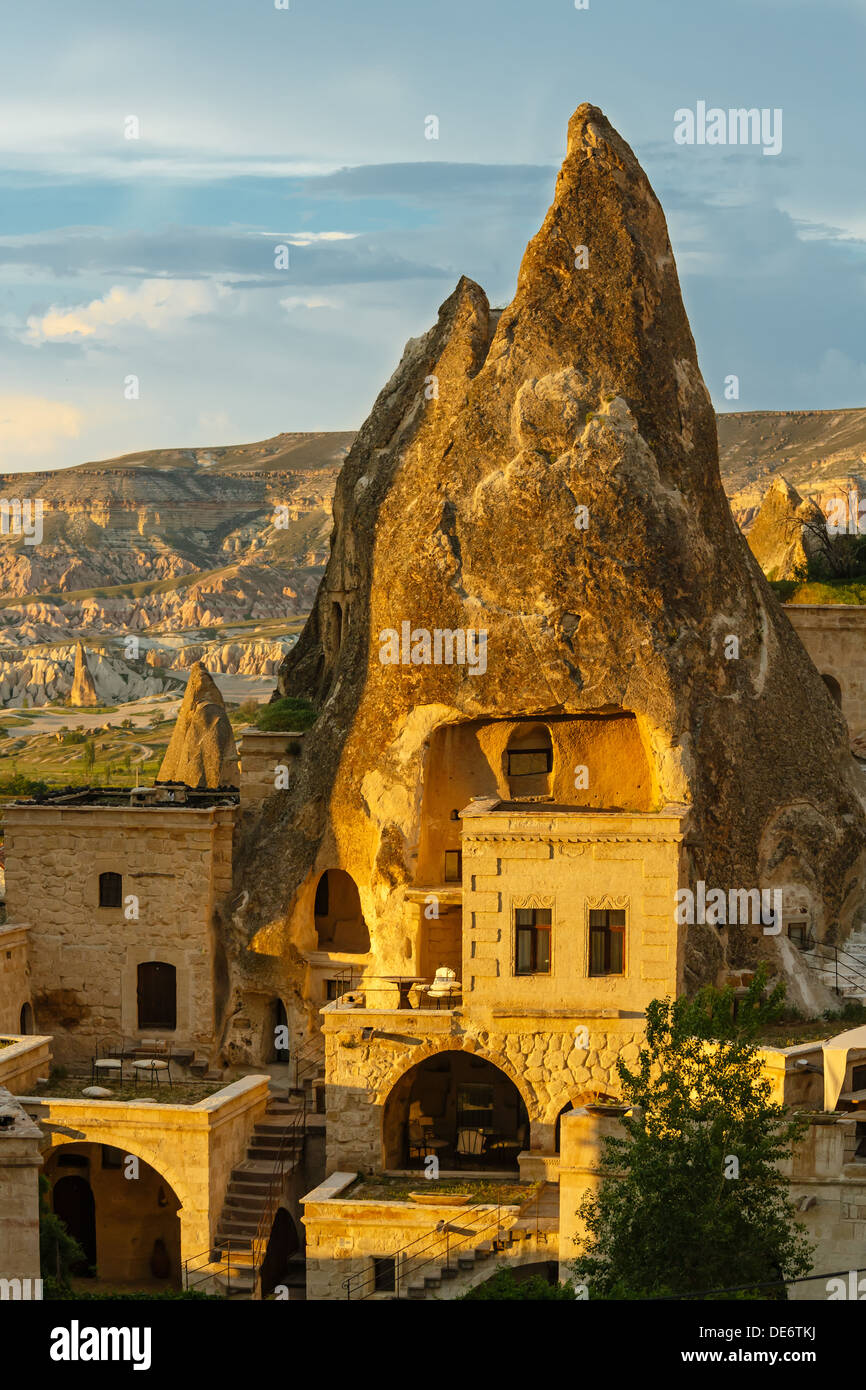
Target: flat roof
x=162 y=795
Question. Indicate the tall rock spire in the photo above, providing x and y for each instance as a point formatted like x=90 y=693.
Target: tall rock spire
x=549 y=475
x=202 y=750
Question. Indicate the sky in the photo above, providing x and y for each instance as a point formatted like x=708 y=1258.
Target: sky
x=153 y=157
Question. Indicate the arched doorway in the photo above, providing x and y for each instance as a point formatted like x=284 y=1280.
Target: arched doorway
x=459 y=1107
x=283 y=1243
x=834 y=688
x=121 y=1210
x=25 y=1020
x=529 y=761
x=72 y=1200
x=340 y=925
x=277 y=1049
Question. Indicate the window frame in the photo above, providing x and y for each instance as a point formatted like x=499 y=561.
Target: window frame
x=454 y=878
x=529 y=753
x=116 y=881
x=620 y=929
x=536 y=929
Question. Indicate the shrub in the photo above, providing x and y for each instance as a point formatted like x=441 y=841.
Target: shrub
x=290 y=714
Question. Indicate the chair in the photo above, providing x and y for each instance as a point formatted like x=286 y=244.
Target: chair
x=422 y=1140
x=107 y=1063
x=470 y=1144
x=156 y=1064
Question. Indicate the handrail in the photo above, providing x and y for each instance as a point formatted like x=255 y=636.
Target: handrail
x=272 y=1201
x=443 y=1229
x=840 y=959
x=249 y=1255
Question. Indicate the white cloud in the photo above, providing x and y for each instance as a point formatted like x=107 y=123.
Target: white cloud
x=299 y=301
x=157 y=304
x=35 y=425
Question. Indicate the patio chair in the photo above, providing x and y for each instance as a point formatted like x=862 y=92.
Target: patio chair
x=422 y=1140
x=156 y=1064
x=107 y=1062
x=471 y=1143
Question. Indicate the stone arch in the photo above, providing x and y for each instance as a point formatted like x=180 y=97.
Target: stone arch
x=194 y=1233
x=338 y=915
x=421 y=1054
x=137 y=1227
x=507 y=1102
x=586 y=1096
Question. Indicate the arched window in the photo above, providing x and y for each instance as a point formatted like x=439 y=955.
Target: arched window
x=529 y=760
x=157 y=995
x=110 y=890
x=25 y=1022
x=340 y=925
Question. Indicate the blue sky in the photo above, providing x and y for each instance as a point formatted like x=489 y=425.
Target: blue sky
x=153 y=257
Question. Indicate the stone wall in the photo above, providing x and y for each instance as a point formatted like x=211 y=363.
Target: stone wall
x=175 y=865
x=193 y=1148
x=23 y=1060
x=343 y=1236
x=542 y=1056
x=834 y=635
x=14 y=976
x=20 y=1161
x=261 y=754
x=570 y=863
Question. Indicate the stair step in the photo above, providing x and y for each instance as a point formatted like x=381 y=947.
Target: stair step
x=416 y=1291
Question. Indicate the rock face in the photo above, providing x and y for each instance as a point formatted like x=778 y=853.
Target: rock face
x=202 y=751
x=780 y=538
x=550 y=475
x=83 y=690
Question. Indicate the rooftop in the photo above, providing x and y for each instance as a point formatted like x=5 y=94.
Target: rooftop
x=163 y=795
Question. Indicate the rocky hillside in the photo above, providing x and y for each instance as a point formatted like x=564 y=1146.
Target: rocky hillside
x=821 y=453
x=226 y=533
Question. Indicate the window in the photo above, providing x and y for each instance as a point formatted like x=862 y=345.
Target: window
x=606 y=941
x=157 y=995
x=384 y=1270
x=334 y=988
x=532 y=941
x=858 y=1078
x=529 y=762
x=110 y=890
x=453 y=865
x=797 y=934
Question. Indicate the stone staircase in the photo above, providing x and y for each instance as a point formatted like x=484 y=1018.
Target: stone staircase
x=535 y=1233
x=852 y=966
x=246 y=1196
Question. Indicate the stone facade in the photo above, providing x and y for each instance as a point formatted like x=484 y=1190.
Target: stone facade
x=192 y=1149
x=20 y=1161
x=14 y=977
x=175 y=866
x=834 y=635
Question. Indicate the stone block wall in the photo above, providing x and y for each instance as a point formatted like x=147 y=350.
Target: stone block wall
x=834 y=635
x=14 y=976
x=20 y=1162
x=175 y=865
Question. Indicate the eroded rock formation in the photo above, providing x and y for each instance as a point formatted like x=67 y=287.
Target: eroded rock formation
x=202 y=751
x=550 y=475
x=83 y=690
x=786 y=531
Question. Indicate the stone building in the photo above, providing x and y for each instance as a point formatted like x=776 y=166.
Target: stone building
x=119 y=890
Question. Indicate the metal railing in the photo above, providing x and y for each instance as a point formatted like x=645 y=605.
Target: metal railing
x=247 y=1255
x=440 y=1247
x=822 y=957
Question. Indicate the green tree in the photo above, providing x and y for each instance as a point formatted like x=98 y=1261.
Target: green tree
x=59 y=1252
x=692 y=1198
x=503 y=1286
x=88 y=754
